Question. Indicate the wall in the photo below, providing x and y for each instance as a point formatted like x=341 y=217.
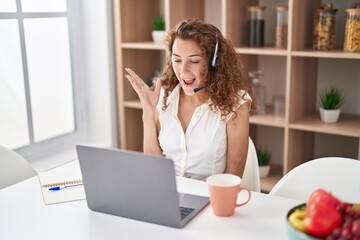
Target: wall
x=99 y=71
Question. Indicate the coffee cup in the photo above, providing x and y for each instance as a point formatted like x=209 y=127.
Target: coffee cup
x=223 y=191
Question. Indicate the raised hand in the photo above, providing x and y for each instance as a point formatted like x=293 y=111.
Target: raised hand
x=147 y=96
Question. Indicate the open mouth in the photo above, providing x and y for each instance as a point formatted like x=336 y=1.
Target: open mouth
x=188 y=81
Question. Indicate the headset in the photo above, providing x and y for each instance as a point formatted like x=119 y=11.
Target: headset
x=213 y=64
x=215 y=57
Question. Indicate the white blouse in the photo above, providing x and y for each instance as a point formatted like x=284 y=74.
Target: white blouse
x=201 y=150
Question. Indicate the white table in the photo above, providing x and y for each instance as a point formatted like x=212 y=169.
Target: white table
x=23 y=215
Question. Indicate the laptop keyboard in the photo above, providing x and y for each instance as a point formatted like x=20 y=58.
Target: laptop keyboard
x=185 y=211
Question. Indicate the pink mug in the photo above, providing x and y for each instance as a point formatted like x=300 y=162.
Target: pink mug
x=223 y=191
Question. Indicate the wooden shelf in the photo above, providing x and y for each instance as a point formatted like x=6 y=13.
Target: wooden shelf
x=143 y=45
x=268 y=120
x=295 y=73
x=326 y=54
x=267 y=183
x=133 y=104
x=348 y=125
x=262 y=51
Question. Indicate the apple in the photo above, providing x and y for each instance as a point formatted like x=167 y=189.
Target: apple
x=324 y=197
x=322 y=214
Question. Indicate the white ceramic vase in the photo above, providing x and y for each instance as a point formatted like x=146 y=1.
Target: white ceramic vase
x=329 y=116
x=264 y=171
x=158 y=36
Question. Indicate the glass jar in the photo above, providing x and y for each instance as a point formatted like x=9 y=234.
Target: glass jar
x=258 y=91
x=352 y=29
x=324 y=27
x=279 y=105
x=281 y=26
x=256 y=26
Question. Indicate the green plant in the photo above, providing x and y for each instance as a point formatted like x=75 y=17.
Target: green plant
x=263 y=156
x=158 y=23
x=331 y=98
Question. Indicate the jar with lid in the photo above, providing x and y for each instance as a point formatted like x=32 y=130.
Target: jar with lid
x=256 y=26
x=352 y=29
x=324 y=27
x=259 y=91
x=281 y=27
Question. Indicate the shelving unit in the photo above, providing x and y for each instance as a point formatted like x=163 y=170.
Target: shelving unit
x=298 y=73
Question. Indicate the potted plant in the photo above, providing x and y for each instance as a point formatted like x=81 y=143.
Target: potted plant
x=331 y=100
x=263 y=159
x=158 y=33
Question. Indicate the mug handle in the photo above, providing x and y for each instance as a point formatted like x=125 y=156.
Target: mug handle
x=248 y=191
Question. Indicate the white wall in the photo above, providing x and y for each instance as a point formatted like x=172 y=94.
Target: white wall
x=99 y=71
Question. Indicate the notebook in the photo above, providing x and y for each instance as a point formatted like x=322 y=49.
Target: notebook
x=63 y=176
x=137 y=186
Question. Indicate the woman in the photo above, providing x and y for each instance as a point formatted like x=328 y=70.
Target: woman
x=198 y=114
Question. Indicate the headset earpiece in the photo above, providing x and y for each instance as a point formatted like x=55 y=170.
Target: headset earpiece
x=213 y=64
x=214 y=59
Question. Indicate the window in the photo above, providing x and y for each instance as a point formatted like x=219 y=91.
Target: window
x=39 y=104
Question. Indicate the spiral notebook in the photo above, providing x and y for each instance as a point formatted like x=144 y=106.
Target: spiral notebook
x=66 y=175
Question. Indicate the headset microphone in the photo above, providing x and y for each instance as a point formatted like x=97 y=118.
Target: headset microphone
x=213 y=64
x=203 y=86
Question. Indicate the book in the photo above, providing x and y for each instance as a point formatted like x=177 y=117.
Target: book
x=64 y=175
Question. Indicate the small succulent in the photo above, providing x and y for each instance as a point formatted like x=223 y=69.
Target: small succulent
x=263 y=157
x=158 y=23
x=331 y=98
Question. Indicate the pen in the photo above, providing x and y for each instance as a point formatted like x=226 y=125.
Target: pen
x=62 y=187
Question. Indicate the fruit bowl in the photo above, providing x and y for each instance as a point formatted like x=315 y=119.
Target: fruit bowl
x=324 y=216
x=348 y=229
x=293 y=233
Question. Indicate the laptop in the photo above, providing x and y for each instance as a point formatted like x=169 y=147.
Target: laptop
x=135 y=185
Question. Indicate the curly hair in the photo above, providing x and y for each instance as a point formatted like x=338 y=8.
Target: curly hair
x=226 y=78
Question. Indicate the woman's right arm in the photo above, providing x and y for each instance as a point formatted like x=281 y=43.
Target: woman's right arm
x=151 y=132
x=149 y=100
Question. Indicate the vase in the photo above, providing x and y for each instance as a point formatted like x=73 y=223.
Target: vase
x=329 y=115
x=264 y=171
x=158 y=36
